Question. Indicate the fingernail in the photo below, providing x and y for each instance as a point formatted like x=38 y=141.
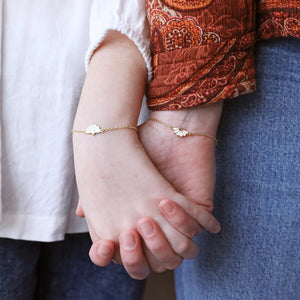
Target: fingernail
x=103 y=250
x=167 y=207
x=128 y=241
x=217 y=227
x=147 y=228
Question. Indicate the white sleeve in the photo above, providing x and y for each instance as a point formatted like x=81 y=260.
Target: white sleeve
x=125 y=16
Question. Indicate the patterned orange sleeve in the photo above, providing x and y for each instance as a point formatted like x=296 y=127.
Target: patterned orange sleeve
x=202 y=51
x=277 y=18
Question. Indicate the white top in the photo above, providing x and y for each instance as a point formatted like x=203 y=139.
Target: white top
x=43 y=49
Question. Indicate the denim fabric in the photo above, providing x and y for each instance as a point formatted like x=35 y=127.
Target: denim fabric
x=257 y=200
x=60 y=271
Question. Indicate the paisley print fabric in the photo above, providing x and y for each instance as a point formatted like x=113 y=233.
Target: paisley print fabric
x=187 y=5
x=203 y=50
x=279 y=18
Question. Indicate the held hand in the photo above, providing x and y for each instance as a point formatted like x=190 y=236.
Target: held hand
x=103 y=251
x=121 y=188
x=188 y=163
x=169 y=159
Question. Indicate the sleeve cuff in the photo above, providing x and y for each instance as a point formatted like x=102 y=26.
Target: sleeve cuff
x=127 y=17
x=204 y=74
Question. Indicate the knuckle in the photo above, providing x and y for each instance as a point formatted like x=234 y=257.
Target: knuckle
x=194 y=210
x=207 y=204
x=194 y=231
x=175 y=264
x=182 y=219
x=210 y=208
x=133 y=263
x=156 y=248
x=183 y=246
x=204 y=214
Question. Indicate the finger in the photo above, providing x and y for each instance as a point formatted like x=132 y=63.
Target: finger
x=157 y=243
x=207 y=220
x=181 y=245
x=179 y=218
x=154 y=264
x=117 y=257
x=95 y=238
x=132 y=255
x=201 y=214
x=101 y=252
x=79 y=210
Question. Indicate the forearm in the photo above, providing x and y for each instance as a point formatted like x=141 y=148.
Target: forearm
x=114 y=85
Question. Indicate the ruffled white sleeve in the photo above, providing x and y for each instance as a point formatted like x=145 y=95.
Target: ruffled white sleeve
x=125 y=16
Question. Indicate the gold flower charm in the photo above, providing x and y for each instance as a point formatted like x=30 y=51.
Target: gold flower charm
x=93 y=129
x=180 y=132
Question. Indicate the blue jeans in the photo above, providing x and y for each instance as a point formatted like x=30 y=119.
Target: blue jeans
x=257 y=200
x=60 y=271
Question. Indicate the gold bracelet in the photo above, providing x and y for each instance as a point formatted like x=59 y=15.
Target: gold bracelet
x=95 y=129
x=180 y=132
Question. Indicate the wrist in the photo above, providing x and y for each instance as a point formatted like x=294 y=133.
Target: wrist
x=105 y=115
x=105 y=145
x=205 y=118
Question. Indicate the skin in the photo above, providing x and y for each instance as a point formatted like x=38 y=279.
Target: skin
x=122 y=193
x=193 y=176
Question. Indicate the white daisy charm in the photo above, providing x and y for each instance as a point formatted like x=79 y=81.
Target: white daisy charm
x=180 y=132
x=93 y=129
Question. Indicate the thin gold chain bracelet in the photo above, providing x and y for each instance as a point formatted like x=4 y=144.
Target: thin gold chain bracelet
x=96 y=129
x=180 y=132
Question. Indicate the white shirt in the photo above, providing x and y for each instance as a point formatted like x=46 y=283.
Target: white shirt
x=43 y=48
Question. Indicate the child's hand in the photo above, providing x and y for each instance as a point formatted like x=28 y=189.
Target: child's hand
x=133 y=258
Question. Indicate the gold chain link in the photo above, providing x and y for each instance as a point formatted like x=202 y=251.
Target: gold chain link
x=180 y=132
x=96 y=129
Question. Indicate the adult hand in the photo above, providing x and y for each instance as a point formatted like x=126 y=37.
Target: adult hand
x=188 y=163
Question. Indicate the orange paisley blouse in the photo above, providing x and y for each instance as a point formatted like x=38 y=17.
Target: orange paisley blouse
x=203 y=49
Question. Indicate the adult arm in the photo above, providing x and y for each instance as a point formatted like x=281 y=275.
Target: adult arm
x=202 y=54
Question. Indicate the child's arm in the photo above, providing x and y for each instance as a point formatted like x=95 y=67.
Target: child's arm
x=117 y=182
